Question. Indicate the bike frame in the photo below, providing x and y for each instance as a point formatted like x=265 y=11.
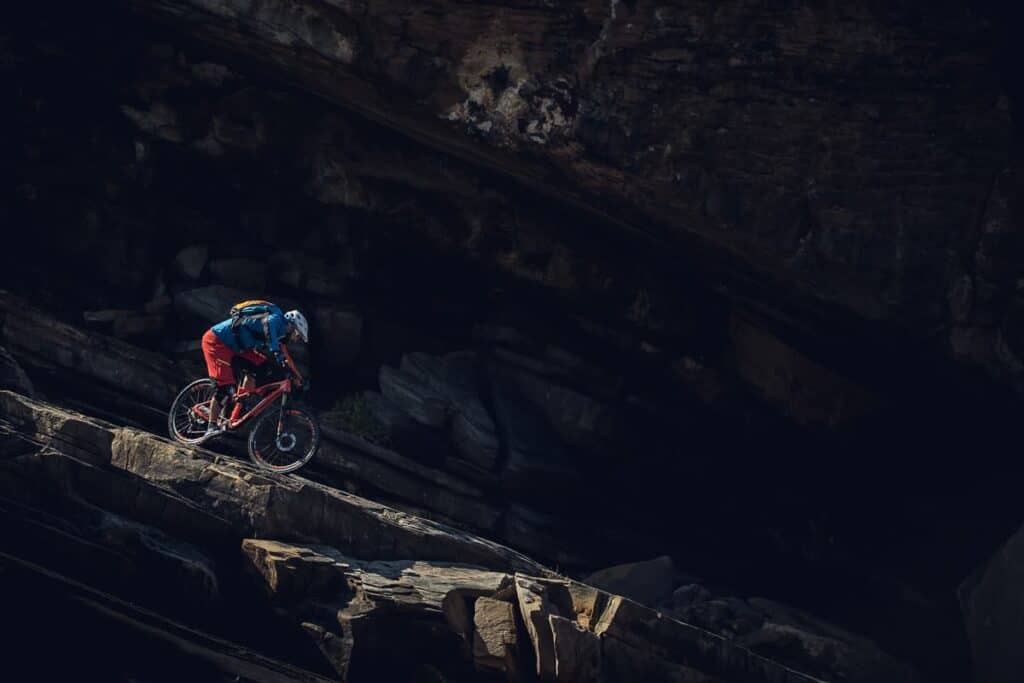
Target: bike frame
x=269 y=392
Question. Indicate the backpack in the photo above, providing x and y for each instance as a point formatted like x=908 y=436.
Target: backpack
x=250 y=309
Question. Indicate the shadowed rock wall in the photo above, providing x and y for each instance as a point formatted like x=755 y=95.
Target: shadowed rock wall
x=846 y=155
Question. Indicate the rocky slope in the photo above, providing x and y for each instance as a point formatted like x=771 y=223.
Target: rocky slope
x=128 y=528
x=370 y=547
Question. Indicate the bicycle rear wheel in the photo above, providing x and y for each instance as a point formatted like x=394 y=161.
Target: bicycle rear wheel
x=290 y=449
x=187 y=418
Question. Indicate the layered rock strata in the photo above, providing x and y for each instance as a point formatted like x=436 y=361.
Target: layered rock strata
x=371 y=574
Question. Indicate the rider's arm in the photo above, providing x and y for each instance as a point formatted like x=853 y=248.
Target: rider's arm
x=290 y=364
x=278 y=331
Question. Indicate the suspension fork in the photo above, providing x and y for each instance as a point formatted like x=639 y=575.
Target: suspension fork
x=280 y=415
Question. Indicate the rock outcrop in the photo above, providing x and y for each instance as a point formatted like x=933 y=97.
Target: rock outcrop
x=417 y=484
x=127 y=385
x=354 y=576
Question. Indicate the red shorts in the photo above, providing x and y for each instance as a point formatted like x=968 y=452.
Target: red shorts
x=219 y=355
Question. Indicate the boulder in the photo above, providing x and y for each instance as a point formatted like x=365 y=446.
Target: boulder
x=455 y=377
x=191 y=260
x=577 y=650
x=580 y=419
x=494 y=635
x=361 y=609
x=444 y=392
x=419 y=401
x=535 y=608
x=536 y=459
x=396 y=429
x=649 y=582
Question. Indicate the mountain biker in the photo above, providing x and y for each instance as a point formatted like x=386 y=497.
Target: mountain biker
x=244 y=344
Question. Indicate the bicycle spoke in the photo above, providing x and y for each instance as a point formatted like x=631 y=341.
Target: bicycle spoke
x=274 y=453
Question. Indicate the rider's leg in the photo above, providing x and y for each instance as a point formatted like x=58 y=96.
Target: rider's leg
x=247 y=366
x=218 y=365
x=219 y=402
x=249 y=363
x=248 y=383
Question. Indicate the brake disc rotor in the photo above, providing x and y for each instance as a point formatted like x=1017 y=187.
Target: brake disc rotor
x=285 y=442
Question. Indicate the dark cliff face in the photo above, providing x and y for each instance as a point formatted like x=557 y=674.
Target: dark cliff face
x=727 y=282
x=825 y=150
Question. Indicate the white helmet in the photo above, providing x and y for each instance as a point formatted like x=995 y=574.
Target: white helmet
x=300 y=323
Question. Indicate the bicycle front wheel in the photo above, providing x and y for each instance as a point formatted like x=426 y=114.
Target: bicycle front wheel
x=288 y=448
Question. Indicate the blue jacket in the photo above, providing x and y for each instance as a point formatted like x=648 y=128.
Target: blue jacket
x=253 y=334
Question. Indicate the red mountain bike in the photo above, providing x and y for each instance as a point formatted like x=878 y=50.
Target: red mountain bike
x=282 y=439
